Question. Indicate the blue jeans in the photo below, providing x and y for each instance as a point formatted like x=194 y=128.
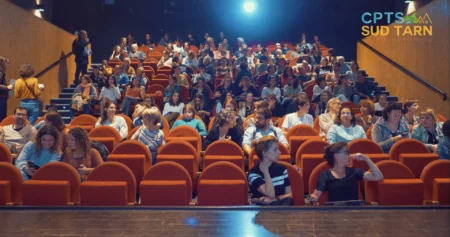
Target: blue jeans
x=126 y=104
x=355 y=99
x=32 y=107
x=3 y=107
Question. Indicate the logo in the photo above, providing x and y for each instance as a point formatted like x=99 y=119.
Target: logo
x=409 y=25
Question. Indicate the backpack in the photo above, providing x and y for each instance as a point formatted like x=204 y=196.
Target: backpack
x=101 y=148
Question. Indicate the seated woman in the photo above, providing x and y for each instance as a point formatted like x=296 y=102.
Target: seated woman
x=45 y=148
x=133 y=94
x=223 y=69
x=382 y=102
x=221 y=91
x=190 y=120
x=190 y=60
x=288 y=71
x=319 y=88
x=341 y=181
x=367 y=116
x=323 y=68
x=173 y=108
x=165 y=60
x=271 y=71
x=127 y=68
x=321 y=107
x=171 y=88
x=345 y=92
x=269 y=181
x=202 y=108
x=142 y=79
x=410 y=109
x=246 y=107
x=443 y=148
x=245 y=86
x=201 y=89
x=271 y=87
x=345 y=128
x=108 y=118
x=180 y=77
x=117 y=53
x=110 y=91
x=429 y=130
x=54 y=119
x=226 y=121
x=150 y=133
x=83 y=97
x=106 y=69
x=390 y=128
x=290 y=91
x=327 y=119
x=275 y=107
x=220 y=104
x=79 y=153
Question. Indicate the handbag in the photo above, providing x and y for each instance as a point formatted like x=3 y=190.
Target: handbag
x=41 y=103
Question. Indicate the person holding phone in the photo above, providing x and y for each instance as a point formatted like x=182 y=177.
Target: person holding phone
x=390 y=128
x=44 y=149
x=341 y=181
x=225 y=120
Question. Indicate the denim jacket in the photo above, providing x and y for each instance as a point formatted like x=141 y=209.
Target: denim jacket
x=382 y=135
x=443 y=149
x=421 y=134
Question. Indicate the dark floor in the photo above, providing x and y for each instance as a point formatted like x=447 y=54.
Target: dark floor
x=226 y=222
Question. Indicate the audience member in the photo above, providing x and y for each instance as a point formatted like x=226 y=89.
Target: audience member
x=367 y=116
x=345 y=92
x=390 y=128
x=342 y=182
x=44 y=148
x=110 y=91
x=173 y=108
x=316 y=55
x=165 y=60
x=275 y=107
x=245 y=87
x=137 y=114
x=326 y=120
x=321 y=106
x=148 y=42
x=117 y=53
x=202 y=74
x=290 y=91
x=344 y=67
x=165 y=40
x=79 y=153
x=141 y=77
x=225 y=87
x=180 y=77
x=97 y=78
x=190 y=120
x=269 y=182
x=108 y=118
x=124 y=45
x=223 y=68
x=127 y=69
x=319 y=88
x=81 y=51
x=262 y=68
x=106 y=69
x=172 y=88
x=133 y=94
x=299 y=117
x=352 y=74
x=84 y=96
x=201 y=89
x=272 y=88
x=54 y=119
x=410 y=108
x=26 y=88
x=244 y=72
x=121 y=79
x=202 y=108
x=429 y=130
x=150 y=134
x=190 y=60
x=246 y=106
x=4 y=88
x=382 y=102
x=367 y=89
x=443 y=148
x=345 y=128
x=324 y=67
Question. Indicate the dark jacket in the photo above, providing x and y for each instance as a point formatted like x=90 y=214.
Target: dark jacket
x=79 y=48
x=214 y=134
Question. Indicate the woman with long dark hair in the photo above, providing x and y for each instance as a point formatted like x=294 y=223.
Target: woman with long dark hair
x=202 y=108
x=108 y=118
x=173 y=108
x=133 y=94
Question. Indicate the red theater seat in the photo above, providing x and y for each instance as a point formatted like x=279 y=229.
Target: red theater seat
x=11 y=184
x=436 y=170
x=407 y=146
x=223 y=150
x=296 y=179
x=107 y=135
x=308 y=156
x=315 y=174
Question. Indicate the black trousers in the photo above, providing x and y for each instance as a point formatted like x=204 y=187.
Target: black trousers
x=81 y=68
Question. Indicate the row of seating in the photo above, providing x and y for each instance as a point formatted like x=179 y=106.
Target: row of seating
x=221 y=184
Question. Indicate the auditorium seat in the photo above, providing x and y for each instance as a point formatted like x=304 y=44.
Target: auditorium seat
x=407 y=146
x=184 y=93
x=417 y=162
x=296 y=179
x=253 y=159
x=127 y=120
x=39 y=120
x=369 y=132
x=84 y=121
x=132 y=132
x=135 y=63
x=109 y=184
x=399 y=187
x=314 y=177
x=10 y=120
x=166 y=184
x=195 y=116
x=369 y=148
x=309 y=91
x=152 y=89
x=317 y=124
x=299 y=134
x=308 y=156
x=183 y=153
x=223 y=150
x=107 y=135
x=222 y=184
x=186 y=133
x=352 y=106
x=10 y=184
x=280 y=122
x=135 y=155
x=211 y=123
x=5 y=153
x=113 y=62
x=436 y=180
x=54 y=184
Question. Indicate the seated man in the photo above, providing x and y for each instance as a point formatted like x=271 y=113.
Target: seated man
x=262 y=128
x=299 y=117
x=367 y=89
x=136 y=54
x=16 y=135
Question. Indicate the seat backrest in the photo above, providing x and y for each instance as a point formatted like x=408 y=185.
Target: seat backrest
x=211 y=123
x=435 y=169
x=161 y=76
x=312 y=147
x=407 y=145
x=302 y=130
x=10 y=120
x=115 y=171
x=349 y=104
x=224 y=148
x=296 y=180
x=106 y=131
x=84 y=120
x=369 y=132
x=132 y=132
x=392 y=169
x=155 y=88
x=309 y=91
x=184 y=91
x=178 y=147
x=441 y=118
x=280 y=122
x=186 y=131
x=39 y=120
x=223 y=170
x=244 y=124
x=127 y=120
x=166 y=127
x=366 y=146
x=133 y=147
x=316 y=123
x=314 y=177
x=169 y=170
x=5 y=153
x=115 y=61
x=59 y=171
x=8 y=172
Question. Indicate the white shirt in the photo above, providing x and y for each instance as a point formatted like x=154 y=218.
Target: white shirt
x=292 y=119
x=378 y=107
x=178 y=49
x=173 y=109
x=119 y=124
x=317 y=91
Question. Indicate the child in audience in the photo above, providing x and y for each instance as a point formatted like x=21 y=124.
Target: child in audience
x=189 y=120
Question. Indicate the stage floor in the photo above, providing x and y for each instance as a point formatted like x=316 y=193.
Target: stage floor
x=245 y=222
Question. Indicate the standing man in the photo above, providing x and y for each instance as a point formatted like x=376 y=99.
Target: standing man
x=81 y=51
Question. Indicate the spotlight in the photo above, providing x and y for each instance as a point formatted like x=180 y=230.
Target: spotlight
x=249 y=6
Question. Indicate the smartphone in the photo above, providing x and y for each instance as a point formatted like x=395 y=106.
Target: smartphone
x=31 y=164
x=405 y=134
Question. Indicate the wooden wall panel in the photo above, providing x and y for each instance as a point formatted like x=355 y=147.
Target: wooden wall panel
x=27 y=38
x=426 y=56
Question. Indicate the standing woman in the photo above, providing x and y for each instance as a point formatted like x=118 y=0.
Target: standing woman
x=26 y=88
x=4 y=64
x=79 y=153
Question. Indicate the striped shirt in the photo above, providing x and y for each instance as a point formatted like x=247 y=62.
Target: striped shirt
x=152 y=139
x=279 y=175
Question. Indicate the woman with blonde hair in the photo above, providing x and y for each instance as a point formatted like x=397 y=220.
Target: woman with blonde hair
x=127 y=68
x=26 y=88
x=327 y=119
x=4 y=64
x=429 y=130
